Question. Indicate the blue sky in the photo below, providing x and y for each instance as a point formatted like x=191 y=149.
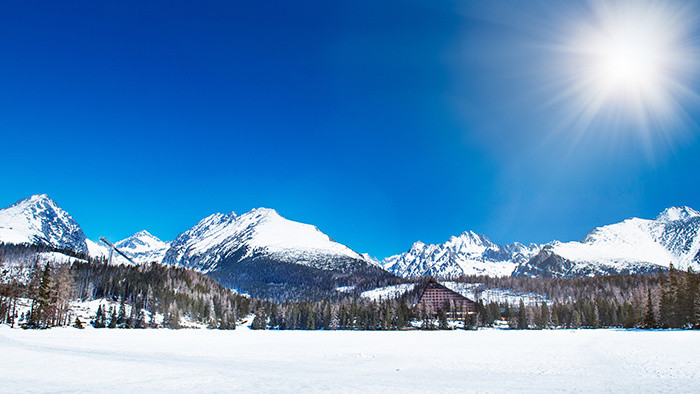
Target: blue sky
x=380 y=122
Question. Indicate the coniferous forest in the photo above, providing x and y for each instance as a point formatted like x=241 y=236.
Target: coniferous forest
x=663 y=300
x=652 y=301
x=152 y=288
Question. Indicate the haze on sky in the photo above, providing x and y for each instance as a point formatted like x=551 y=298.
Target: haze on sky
x=380 y=122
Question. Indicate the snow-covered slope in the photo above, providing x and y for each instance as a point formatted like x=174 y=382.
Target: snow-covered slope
x=38 y=220
x=143 y=247
x=631 y=246
x=187 y=249
x=268 y=256
x=260 y=232
x=467 y=254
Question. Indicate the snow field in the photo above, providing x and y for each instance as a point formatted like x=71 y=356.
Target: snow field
x=68 y=359
x=388 y=292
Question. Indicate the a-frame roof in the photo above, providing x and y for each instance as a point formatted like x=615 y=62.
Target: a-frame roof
x=435 y=285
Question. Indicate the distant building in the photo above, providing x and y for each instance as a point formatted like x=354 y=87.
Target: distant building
x=436 y=296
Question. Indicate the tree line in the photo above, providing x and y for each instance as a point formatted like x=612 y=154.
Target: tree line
x=660 y=300
x=148 y=290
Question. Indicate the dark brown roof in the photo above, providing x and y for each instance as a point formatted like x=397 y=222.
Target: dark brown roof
x=435 y=285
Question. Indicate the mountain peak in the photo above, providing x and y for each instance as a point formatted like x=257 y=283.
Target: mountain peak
x=418 y=245
x=143 y=247
x=41 y=196
x=34 y=200
x=39 y=220
x=143 y=235
x=677 y=213
x=262 y=211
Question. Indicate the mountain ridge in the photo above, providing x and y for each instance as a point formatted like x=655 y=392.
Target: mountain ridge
x=632 y=246
x=467 y=254
x=263 y=238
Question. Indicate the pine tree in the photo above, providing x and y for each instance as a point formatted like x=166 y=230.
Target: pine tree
x=259 y=322
x=631 y=319
x=442 y=319
x=172 y=319
x=666 y=309
x=555 y=321
x=575 y=319
x=544 y=315
x=522 y=316
x=121 y=317
x=687 y=300
x=43 y=312
x=113 y=318
x=99 y=321
x=675 y=291
x=693 y=307
x=649 y=318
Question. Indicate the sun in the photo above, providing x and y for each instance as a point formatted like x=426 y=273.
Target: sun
x=629 y=62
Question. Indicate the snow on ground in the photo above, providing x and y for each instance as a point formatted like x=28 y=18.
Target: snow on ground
x=105 y=360
x=388 y=292
x=58 y=258
x=86 y=311
x=476 y=291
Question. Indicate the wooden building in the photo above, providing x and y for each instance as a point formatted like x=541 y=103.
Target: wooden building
x=436 y=296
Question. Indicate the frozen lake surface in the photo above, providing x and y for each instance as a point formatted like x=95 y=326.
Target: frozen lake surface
x=68 y=359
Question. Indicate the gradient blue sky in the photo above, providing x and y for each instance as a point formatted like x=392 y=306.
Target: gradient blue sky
x=381 y=122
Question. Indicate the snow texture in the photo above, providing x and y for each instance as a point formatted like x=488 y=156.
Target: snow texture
x=92 y=360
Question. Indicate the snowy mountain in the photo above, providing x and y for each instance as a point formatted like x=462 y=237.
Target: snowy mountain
x=258 y=232
x=467 y=254
x=189 y=248
x=632 y=246
x=143 y=247
x=262 y=249
x=38 y=220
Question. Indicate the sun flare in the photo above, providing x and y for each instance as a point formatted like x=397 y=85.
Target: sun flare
x=630 y=63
